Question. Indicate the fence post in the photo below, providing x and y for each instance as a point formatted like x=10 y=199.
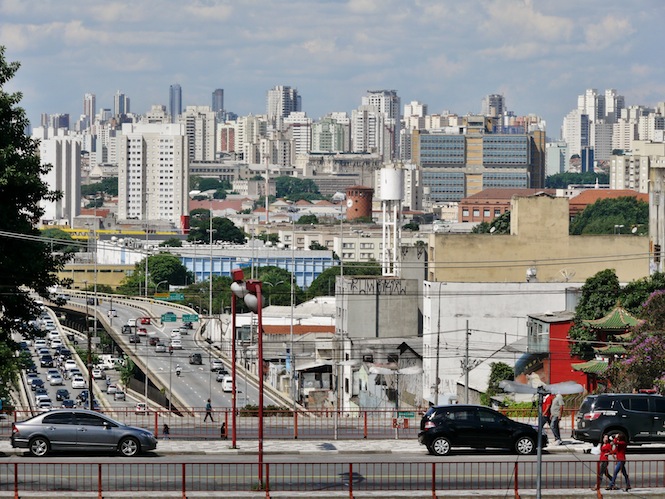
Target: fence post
x=267 y=465
x=16 y=496
x=350 y=480
x=156 y=421
x=184 y=479
x=433 y=480
x=99 y=481
x=516 y=482
x=365 y=424
x=295 y=424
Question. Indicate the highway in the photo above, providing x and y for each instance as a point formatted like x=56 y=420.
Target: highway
x=196 y=383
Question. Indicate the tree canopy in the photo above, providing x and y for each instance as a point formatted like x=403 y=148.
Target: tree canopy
x=26 y=262
x=324 y=284
x=223 y=228
x=295 y=189
x=500 y=224
x=611 y=216
x=107 y=185
x=161 y=267
x=563 y=180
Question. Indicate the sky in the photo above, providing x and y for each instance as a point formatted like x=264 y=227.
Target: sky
x=448 y=54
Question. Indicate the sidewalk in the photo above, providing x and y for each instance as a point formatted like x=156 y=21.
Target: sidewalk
x=313 y=447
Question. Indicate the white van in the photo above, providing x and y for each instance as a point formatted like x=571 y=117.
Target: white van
x=176 y=344
x=227 y=384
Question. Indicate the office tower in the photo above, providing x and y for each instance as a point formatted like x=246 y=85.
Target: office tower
x=332 y=133
x=63 y=152
x=387 y=103
x=56 y=121
x=199 y=122
x=556 y=158
x=575 y=131
x=493 y=105
x=153 y=180
x=175 y=102
x=120 y=104
x=218 y=100
x=282 y=101
x=89 y=106
x=613 y=105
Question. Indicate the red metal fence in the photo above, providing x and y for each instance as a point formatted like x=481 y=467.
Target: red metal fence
x=432 y=479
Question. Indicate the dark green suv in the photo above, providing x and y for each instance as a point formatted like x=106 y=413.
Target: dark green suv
x=639 y=416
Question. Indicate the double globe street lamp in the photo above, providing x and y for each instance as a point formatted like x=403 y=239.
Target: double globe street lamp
x=250 y=292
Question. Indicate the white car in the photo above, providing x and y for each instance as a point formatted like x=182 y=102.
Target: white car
x=56 y=343
x=112 y=313
x=227 y=384
x=45 y=405
x=50 y=373
x=131 y=322
x=111 y=389
x=70 y=364
x=56 y=380
x=40 y=343
x=97 y=373
x=175 y=333
x=78 y=382
x=160 y=347
x=176 y=344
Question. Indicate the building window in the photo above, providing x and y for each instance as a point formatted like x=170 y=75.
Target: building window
x=476 y=212
x=486 y=212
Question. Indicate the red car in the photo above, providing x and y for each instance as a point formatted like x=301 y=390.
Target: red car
x=142 y=331
x=145 y=320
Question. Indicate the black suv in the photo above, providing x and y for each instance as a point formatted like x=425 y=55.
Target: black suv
x=447 y=426
x=640 y=417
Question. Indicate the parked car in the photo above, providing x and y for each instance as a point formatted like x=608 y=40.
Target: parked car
x=196 y=359
x=78 y=382
x=639 y=417
x=446 y=426
x=51 y=431
x=62 y=394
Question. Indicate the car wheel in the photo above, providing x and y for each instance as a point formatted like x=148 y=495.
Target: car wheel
x=525 y=445
x=440 y=446
x=39 y=446
x=129 y=447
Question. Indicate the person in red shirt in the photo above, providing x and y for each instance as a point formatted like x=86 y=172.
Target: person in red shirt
x=547 y=403
x=605 y=451
x=619 y=451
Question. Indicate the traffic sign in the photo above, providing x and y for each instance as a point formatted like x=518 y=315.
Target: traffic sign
x=169 y=317
x=190 y=318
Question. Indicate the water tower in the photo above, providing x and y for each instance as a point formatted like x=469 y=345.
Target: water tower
x=392 y=192
x=359 y=202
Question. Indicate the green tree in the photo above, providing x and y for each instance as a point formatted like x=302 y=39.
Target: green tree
x=412 y=226
x=295 y=189
x=307 y=220
x=61 y=241
x=563 y=180
x=637 y=292
x=499 y=371
x=500 y=224
x=161 y=267
x=316 y=246
x=172 y=242
x=223 y=228
x=107 y=185
x=604 y=215
x=277 y=286
x=27 y=264
x=268 y=237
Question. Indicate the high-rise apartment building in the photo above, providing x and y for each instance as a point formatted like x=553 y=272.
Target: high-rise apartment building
x=493 y=105
x=89 y=107
x=556 y=157
x=369 y=132
x=282 y=101
x=175 y=102
x=298 y=127
x=199 y=122
x=387 y=102
x=218 y=100
x=63 y=152
x=153 y=176
x=120 y=104
x=332 y=133
x=575 y=131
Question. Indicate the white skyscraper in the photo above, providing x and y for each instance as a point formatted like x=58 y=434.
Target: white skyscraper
x=298 y=127
x=153 y=180
x=120 y=104
x=575 y=131
x=63 y=152
x=370 y=132
x=282 y=101
x=387 y=103
x=199 y=124
x=89 y=106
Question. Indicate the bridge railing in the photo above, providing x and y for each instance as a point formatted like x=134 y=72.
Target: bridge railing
x=436 y=478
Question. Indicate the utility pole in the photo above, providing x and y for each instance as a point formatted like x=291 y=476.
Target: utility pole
x=438 y=347
x=466 y=364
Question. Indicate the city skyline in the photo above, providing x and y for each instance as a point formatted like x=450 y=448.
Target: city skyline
x=448 y=55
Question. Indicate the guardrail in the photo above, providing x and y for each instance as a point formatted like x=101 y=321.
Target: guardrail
x=278 y=424
x=317 y=479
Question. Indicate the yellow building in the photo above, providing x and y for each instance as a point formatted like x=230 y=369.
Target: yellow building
x=538 y=247
x=109 y=275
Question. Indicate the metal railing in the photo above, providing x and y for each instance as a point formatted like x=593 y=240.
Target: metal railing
x=278 y=424
x=433 y=478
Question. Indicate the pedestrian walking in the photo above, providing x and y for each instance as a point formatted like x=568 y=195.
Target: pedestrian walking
x=546 y=410
x=166 y=431
x=604 y=461
x=556 y=410
x=208 y=412
x=619 y=451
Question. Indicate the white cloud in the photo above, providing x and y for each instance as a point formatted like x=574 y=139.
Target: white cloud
x=610 y=30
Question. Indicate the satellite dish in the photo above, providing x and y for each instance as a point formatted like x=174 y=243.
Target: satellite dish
x=567 y=274
x=563 y=388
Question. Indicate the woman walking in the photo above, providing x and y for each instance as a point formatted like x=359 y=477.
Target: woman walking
x=605 y=451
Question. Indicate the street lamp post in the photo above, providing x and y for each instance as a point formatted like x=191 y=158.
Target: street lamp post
x=170 y=372
x=271 y=288
x=251 y=292
x=89 y=358
x=159 y=284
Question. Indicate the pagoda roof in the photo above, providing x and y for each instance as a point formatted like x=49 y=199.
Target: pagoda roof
x=611 y=349
x=618 y=319
x=597 y=367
